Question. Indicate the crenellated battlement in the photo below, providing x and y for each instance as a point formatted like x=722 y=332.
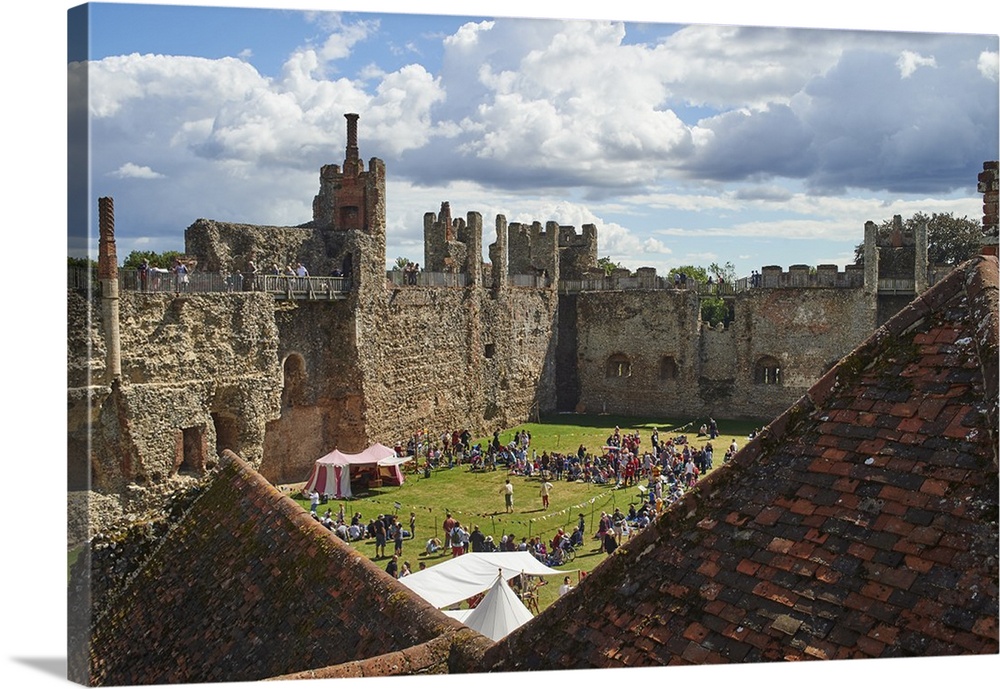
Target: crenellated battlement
x=774 y=277
x=452 y=245
x=799 y=275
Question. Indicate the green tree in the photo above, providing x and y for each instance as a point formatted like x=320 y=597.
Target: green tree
x=75 y=262
x=714 y=310
x=156 y=260
x=950 y=240
x=607 y=265
x=696 y=273
x=727 y=272
x=401 y=262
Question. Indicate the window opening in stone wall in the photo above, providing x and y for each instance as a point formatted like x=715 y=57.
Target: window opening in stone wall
x=668 y=368
x=349 y=218
x=491 y=349
x=227 y=435
x=767 y=371
x=619 y=366
x=191 y=452
x=293 y=392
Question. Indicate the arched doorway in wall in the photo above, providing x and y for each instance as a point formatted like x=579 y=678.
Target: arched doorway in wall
x=293 y=391
x=668 y=368
x=227 y=436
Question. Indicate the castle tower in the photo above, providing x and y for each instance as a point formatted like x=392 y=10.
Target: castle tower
x=442 y=253
x=895 y=261
x=577 y=252
x=533 y=250
x=349 y=211
x=471 y=235
x=351 y=198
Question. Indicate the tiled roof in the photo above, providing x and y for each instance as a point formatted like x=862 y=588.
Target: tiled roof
x=248 y=586
x=861 y=524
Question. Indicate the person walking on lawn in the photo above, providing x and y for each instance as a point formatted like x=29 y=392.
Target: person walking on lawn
x=544 y=492
x=508 y=496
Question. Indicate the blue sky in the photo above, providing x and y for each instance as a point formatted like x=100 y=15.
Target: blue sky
x=685 y=143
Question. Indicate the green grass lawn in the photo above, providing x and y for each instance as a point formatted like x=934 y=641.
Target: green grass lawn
x=474 y=498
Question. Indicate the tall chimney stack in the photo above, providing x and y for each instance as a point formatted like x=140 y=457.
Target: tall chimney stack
x=107 y=274
x=352 y=137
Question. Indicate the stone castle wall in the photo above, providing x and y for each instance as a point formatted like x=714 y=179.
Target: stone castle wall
x=457 y=358
x=676 y=366
x=805 y=331
x=199 y=374
x=284 y=382
x=224 y=246
x=637 y=329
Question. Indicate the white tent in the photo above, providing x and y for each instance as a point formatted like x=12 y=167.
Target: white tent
x=462 y=577
x=498 y=614
x=331 y=474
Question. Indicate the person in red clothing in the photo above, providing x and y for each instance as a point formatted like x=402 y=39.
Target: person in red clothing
x=544 y=492
x=448 y=525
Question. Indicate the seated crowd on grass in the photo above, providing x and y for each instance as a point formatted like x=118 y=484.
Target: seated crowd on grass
x=662 y=472
x=621 y=461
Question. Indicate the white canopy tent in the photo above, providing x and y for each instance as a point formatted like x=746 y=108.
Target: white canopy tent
x=497 y=615
x=467 y=575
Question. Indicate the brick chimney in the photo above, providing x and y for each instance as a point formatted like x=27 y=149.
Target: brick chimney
x=988 y=187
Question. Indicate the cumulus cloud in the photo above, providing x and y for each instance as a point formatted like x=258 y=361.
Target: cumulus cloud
x=574 y=104
x=988 y=64
x=909 y=61
x=339 y=43
x=133 y=171
x=686 y=134
x=559 y=103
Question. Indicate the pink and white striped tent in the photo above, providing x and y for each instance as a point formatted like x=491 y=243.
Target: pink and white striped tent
x=331 y=474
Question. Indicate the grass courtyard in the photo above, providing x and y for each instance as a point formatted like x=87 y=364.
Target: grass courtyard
x=474 y=498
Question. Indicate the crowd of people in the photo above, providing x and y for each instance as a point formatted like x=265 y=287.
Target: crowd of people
x=621 y=462
x=384 y=529
x=660 y=471
x=410 y=272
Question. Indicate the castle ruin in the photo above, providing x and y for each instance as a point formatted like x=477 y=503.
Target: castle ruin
x=161 y=383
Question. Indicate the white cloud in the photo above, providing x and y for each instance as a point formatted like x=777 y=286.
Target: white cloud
x=567 y=99
x=709 y=134
x=732 y=66
x=909 y=62
x=467 y=36
x=171 y=84
x=339 y=43
x=133 y=171
x=988 y=64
